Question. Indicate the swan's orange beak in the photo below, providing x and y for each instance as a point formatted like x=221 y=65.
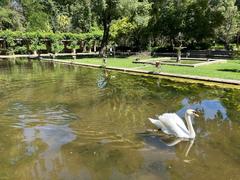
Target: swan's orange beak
x=195 y=114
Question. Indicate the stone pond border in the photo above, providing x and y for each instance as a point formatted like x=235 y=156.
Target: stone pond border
x=46 y=55
x=163 y=61
x=199 y=79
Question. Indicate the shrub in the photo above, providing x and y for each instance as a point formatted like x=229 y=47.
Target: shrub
x=37 y=40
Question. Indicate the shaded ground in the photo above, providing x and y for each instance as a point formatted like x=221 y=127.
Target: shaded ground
x=230 y=70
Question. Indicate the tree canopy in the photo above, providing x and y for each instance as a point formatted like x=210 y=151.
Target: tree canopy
x=133 y=23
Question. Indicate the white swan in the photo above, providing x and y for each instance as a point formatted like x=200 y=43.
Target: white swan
x=172 y=124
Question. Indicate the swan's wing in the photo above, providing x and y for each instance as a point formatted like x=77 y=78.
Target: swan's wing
x=174 y=124
x=174 y=118
x=160 y=125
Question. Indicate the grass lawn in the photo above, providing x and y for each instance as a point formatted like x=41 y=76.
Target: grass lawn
x=113 y=62
x=229 y=70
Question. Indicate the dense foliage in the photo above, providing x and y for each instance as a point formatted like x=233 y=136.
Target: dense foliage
x=17 y=41
x=130 y=23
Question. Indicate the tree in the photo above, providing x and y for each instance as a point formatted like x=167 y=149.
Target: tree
x=138 y=14
x=168 y=19
x=105 y=11
x=4 y=2
x=52 y=8
x=229 y=28
x=10 y=19
x=63 y=22
x=121 y=31
x=11 y=16
x=81 y=16
x=238 y=3
x=198 y=21
x=202 y=19
x=37 y=19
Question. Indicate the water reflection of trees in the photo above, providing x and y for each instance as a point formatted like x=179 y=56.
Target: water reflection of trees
x=231 y=100
x=135 y=89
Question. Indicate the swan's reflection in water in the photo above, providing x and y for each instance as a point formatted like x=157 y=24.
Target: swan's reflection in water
x=154 y=139
x=178 y=140
x=160 y=150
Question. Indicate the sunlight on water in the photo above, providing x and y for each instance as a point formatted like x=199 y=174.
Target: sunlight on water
x=63 y=122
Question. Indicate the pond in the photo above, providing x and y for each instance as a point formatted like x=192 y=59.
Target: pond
x=65 y=122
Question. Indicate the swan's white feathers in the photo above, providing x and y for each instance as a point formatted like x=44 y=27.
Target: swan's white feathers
x=176 y=118
x=160 y=125
x=171 y=123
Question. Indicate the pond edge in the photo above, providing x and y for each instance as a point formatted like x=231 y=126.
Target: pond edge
x=177 y=77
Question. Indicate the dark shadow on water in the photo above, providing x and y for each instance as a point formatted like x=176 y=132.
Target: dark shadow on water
x=153 y=139
x=230 y=70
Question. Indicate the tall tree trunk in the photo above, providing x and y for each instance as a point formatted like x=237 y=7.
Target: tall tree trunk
x=238 y=35
x=28 y=46
x=227 y=46
x=84 y=47
x=95 y=46
x=105 y=38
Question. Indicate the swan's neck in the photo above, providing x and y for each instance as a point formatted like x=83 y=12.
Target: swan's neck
x=192 y=133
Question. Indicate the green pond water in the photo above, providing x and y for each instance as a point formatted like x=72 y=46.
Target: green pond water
x=64 y=122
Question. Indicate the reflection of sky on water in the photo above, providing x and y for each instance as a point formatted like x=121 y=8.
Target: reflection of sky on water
x=53 y=135
x=50 y=126
x=210 y=108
